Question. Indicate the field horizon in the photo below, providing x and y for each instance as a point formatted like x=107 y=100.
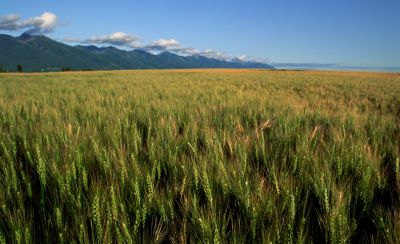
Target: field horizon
x=199 y=70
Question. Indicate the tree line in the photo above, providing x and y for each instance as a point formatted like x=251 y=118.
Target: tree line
x=19 y=68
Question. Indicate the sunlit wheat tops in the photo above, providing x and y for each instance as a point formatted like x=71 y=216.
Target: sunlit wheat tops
x=200 y=156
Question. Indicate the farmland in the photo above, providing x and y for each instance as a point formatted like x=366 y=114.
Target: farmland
x=214 y=156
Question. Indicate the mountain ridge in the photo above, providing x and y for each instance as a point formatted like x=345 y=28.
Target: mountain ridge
x=41 y=53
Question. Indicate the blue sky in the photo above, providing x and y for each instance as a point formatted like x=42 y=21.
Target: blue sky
x=349 y=33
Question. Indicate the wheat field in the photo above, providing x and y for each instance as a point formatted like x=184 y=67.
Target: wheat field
x=200 y=156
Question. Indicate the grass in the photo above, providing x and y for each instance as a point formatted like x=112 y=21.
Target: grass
x=215 y=156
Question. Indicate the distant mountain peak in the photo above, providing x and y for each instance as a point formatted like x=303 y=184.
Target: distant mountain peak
x=139 y=50
x=236 y=59
x=89 y=48
x=168 y=54
x=25 y=36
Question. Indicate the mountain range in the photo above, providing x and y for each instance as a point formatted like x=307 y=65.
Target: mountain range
x=40 y=53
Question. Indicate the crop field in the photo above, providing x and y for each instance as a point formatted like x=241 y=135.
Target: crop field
x=200 y=156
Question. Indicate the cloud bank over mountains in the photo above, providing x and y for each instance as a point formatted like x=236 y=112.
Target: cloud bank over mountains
x=118 y=39
x=48 y=22
x=122 y=39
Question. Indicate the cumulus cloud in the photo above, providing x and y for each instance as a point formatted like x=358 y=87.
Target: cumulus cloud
x=162 y=45
x=44 y=23
x=118 y=39
x=166 y=42
x=9 y=22
x=215 y=54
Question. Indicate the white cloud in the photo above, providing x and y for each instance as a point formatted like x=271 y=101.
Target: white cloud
x=72 y=39
x=9 y=22
x=118 y=39
x=166 y=43
x=162 y=45
x=214 y=54
x=44 y=23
